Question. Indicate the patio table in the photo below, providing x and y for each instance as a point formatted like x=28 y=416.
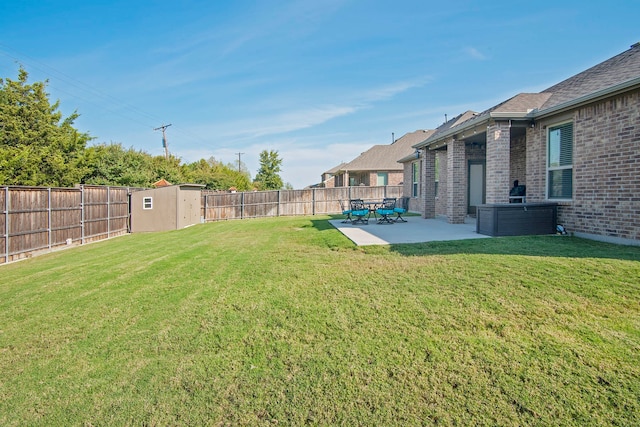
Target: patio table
x=372 y=205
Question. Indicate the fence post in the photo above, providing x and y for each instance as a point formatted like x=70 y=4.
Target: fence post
x=6 y=225
x=204 y=215
x=313 y=201
x=108 y=212
x=278 y=205
x=49 y=217
x=242 y=205
x=82 y=216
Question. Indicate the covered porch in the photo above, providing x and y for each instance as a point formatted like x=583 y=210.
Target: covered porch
x=474 y=159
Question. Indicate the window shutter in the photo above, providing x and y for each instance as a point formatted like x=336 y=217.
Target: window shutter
x=566 y=144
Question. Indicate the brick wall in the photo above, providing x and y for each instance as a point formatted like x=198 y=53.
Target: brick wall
x=395 y=178
x=457 y=182
x=428 y=188
x=407 y=178
x=518 y=160
x=606 y=168
x=536 y=163
x=441 y=199
x=498 y=156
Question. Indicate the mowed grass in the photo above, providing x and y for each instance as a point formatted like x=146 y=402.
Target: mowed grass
x=285 y=322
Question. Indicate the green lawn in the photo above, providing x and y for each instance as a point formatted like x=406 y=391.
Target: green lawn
x=285 y=322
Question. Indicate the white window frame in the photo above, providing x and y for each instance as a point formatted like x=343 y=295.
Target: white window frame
x=147 y=203
x=559 y=167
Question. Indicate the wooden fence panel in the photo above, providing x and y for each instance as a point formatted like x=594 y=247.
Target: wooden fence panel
x=34 y=219
x=106 y=212
x=318 y=201
x=296 y=202
x=331 y=199
x=118 y=210
x=261 y=204
x=66 y=216
x=221 y=206
x=28 y=222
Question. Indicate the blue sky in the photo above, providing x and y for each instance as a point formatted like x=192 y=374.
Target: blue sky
x=320 y=81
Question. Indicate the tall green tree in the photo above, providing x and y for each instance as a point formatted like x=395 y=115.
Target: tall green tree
x=37 y=146
x=111 y=164
x=216 y=175
x=268 y=177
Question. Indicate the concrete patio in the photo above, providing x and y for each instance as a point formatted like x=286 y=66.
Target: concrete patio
x=415 y=230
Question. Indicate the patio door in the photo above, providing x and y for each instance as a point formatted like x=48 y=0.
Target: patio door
x=476 y=185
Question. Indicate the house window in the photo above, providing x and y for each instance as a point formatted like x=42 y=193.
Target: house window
x=147 y=203
x=415 y=178
x=383 y=178
x=560 y=162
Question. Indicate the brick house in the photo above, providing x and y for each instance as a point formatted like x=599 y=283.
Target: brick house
x=378 y=165
x=328 y=179
x=576 y=143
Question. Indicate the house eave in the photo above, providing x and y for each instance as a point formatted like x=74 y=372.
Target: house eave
x=469 y=125
x=485 y=119
x=587 y=99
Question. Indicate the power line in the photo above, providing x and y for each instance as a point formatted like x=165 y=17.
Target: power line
x=75 y=83
x=96 y=97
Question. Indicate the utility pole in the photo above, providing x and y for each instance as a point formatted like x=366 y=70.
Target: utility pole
x=239 y=157
x=164 y=140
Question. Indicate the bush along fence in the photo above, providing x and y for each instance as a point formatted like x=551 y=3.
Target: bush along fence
x=40 y=219
x=314 y=201
x=35 y=219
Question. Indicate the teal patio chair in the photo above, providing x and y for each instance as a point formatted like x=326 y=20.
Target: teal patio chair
x=359 y=212
x=402 y=209
x=386 y=210
x=346 y=210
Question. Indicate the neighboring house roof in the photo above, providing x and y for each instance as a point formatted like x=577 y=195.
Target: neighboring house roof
x=334 y=169
x=622 y=72
x=385 y=157
x=161 y=183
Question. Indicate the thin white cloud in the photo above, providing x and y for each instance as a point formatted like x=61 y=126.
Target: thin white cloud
x=389 y=91
x=474 y=53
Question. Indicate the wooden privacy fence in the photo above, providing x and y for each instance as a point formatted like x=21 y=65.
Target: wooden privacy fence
x=36 y=219
x=315 y=201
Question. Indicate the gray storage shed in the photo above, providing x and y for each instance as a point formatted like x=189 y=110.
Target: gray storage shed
x=166 y=208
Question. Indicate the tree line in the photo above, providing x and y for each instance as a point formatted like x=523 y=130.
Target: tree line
x=40 y=147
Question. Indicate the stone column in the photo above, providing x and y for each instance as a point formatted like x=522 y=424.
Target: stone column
x=428 y=174
x=498 y=162
x=456 y=182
